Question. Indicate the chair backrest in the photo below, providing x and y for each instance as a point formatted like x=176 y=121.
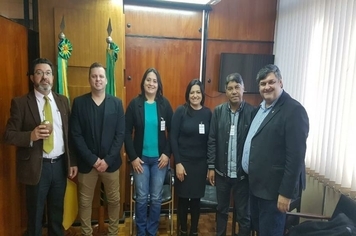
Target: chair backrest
x=347 y=206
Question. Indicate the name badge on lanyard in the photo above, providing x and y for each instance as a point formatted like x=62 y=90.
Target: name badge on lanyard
x=201 y=128
x=163 y=124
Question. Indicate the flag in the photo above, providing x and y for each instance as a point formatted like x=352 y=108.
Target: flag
x=111 y=58
x=70 y=210
x=64 y=53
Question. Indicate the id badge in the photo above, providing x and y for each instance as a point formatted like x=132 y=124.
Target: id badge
x=201 y=129
x=163 y=125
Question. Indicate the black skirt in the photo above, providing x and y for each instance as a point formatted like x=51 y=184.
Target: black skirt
x=193 y=185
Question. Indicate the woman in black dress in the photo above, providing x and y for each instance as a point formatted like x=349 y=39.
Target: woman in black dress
x=189 y=136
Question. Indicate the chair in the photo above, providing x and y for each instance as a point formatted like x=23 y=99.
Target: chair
x=345 y=205
x=294 y=205
x=209 y=200
x=167 y=198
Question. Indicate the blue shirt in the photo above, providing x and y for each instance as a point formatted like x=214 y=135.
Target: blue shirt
x=150 y=136
x=256 y=123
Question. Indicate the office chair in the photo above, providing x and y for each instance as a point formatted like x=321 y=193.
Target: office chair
x=167 y=198
x=345 y=207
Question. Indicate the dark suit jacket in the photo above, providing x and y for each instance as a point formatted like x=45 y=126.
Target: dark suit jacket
x=276 y=164
x=135 y=120
x=82 y=132
x=23 y=119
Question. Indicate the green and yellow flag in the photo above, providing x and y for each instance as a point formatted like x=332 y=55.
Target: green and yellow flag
x=71 y=197
x=64 y=53
x=111 y=58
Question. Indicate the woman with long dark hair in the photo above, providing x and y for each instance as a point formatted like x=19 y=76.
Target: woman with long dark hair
x=189 y=136
x=148 y=117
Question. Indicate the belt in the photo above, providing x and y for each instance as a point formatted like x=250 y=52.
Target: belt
x=52 y=160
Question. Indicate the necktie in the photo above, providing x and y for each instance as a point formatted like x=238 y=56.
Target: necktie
x=48 y=143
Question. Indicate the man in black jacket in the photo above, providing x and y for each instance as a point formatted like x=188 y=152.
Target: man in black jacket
x=97 y=129
x=228 y=129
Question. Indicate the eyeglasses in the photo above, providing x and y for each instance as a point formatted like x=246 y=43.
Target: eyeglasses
x=42 y=73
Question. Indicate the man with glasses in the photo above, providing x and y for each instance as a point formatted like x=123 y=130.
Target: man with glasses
x=43 y=159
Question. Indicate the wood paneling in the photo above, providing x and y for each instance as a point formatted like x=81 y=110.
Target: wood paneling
x=251 y=20
x=151 y=21
x=215 y=48
x=86 y=27
x=13 y=67
x=177 y=61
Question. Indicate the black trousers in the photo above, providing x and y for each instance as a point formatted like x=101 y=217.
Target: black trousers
x=50 y=190
x=226 y=186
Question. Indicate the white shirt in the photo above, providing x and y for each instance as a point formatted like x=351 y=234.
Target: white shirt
x=58 y=148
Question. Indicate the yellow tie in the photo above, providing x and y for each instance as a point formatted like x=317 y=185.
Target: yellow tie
x=48 y=143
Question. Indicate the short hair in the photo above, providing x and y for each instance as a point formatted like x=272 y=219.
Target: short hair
x=41 y=61
x=234 y=77
x=159 y=81
x=95 y=65
x=266 y=70
x=189 y=87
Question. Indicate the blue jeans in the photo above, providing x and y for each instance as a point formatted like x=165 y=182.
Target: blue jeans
x=148 y=187
x=240 y=194
x=267 y=220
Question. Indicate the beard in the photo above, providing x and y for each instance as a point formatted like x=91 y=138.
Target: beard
x=43 y=88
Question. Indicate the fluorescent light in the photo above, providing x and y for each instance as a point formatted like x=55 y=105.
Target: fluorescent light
x=200 y=2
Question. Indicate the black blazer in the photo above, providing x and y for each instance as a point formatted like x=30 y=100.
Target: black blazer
x=276 y=164
x=135 y=120
x=82 y=132
x=25 y=118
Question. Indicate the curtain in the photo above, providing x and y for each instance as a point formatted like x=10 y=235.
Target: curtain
x=315 y=49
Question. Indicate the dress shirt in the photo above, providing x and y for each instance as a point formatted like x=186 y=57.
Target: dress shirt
x=58 y=148
x=232 y=151
x=255 y=125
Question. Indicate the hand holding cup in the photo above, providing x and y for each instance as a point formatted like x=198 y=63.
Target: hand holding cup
x=48 y=125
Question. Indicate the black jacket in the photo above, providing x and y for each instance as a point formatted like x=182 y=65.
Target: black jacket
x=81 y=128
x=135 y=121
x=219 y=135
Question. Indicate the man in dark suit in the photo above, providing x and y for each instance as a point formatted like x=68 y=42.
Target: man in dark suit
x=274 y=152
x=97 y=128
x=43 y=172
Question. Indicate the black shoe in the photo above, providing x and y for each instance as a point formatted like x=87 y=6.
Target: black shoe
x=193 y=234
x=183 y=233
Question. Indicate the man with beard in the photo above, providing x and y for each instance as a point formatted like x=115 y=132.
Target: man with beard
x=43 y=159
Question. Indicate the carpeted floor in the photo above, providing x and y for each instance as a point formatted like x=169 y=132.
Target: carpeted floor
x=206 y=227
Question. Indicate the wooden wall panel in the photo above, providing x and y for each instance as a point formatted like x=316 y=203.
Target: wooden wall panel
x=151 y=21
x=215 y=48
x=86 y=24
x=251 y=20
x=176 y=60
x=13 y=67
